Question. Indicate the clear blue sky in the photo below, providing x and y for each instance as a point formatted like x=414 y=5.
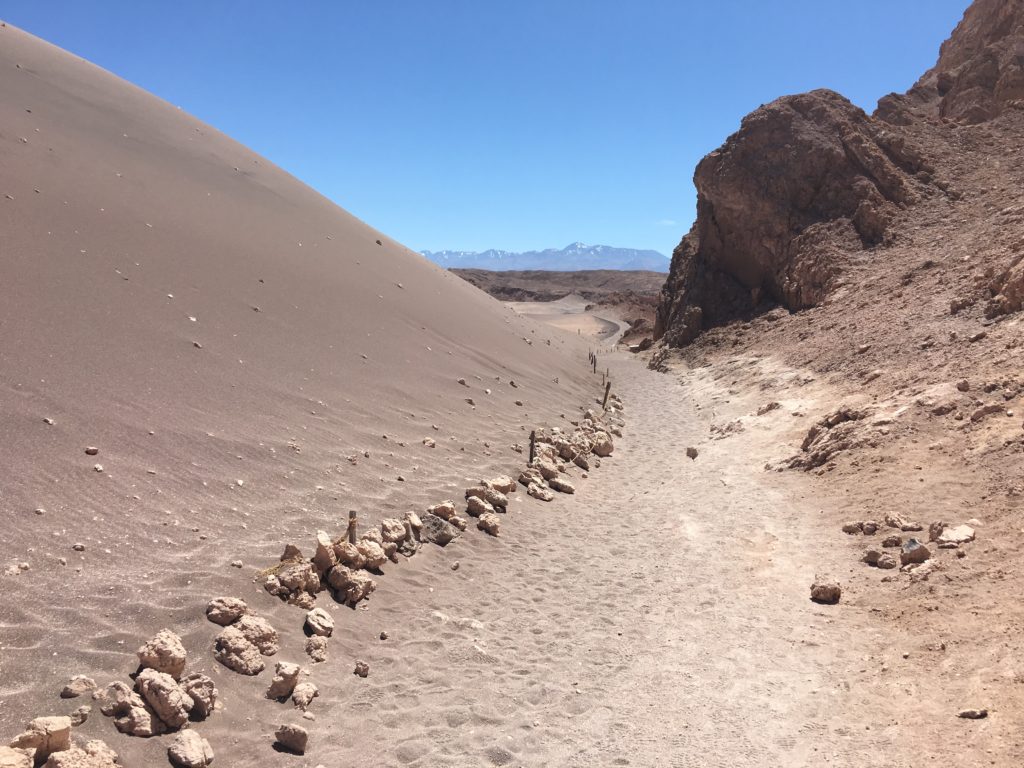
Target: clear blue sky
x=470 y=124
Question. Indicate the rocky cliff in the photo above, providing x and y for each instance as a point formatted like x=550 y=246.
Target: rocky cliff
x=810 y=181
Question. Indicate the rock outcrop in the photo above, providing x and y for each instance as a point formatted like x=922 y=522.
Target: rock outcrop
x=806 y=180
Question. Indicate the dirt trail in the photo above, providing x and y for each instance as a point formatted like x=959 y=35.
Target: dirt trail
x=659 y=617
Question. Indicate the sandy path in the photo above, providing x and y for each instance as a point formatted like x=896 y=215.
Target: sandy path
x=570 y=314
x=660 y=617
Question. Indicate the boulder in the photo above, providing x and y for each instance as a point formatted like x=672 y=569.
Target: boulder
x=76 y=686
x=226 y=610
x=132 y=716
x=203 y=692
x=350 y=586
x=81 y=714
x=445 y=510
x=44 y=735
x=490 y=523
x=293 y=738
x=541 y=492
x=531 y=476
x=348 y=554
x=164 y=653
x=896 y=521
x=14 y=758
x=825 y=592
x=237 y=653
x=392 y=529
x=601 y=444
x=548 y=469
x=190 y=750
x=373 y=554
x=477 y=506
x=501 y=484
x=914 y=553
x=372 y=534
x=287 y=675
x=362 y=669
x=459 y=522
x=164 y=696
x=438 y=531
x=316 y=648
x=299 y=577
x=95 y=754
x=561 y=485
x=495 y=498
x=853 y=527
x=258 y=631
x=892 y=541
x=325 y=558
x=319 y=622
x=303 y=695
x=869 y=527
x=955 y=536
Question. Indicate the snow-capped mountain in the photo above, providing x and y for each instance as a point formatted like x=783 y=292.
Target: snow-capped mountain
x=573 y=257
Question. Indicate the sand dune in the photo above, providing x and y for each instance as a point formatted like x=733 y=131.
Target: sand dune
x=250 y=361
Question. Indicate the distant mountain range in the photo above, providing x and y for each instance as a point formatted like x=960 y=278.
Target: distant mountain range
x=572 y=258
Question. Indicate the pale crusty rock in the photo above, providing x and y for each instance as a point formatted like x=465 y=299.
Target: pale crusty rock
x=490 y=523
x=14 y=758
x=501 y=483
x=203 y=692
x=80 y=715
x=237 y=653
x=390 y=549
x=164 y=653
x=437 y=531
x=414 y=522
x=826 y=592
x=531 y=476
x=476 y=506
x=304 y=694
x=132 y=716
x=294 y=738
x=284 y=680
x=77 y=686
x=601 y=444
x=258 y=631
x=392 y=529
x=44 y=735
x=541 y=492
x=303 y=600
x=190 y=750
x=316 y=648
x=372 y=534
x=226 y=610
x=348 y=555
x=164 y=696
x=95 y=754
x=350 y=586
x=955 y=536
x=299 y=577
x=582 y=462
x=561 y=485
x=547 y=469
x=324 y=559
x=319 y=622
x=373 y=553
x=491 y=496
x=896 y=521
x=459 y=522
x=445 y=510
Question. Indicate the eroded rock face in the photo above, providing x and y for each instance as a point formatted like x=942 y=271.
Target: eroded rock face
x=806 y=180
x=980 y=72
x=203 y=692
x=14 y=758
x=259 y=632
x=45 y=735
x=95 y=754
x=164 y=653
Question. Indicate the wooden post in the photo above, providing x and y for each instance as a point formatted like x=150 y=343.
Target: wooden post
x=595 y=365
x=352 y=525
x=607 y=389
x=533 y=446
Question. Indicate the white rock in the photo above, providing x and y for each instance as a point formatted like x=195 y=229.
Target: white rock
x=190 y=750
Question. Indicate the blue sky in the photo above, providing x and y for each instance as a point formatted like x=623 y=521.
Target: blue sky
x=470 y=124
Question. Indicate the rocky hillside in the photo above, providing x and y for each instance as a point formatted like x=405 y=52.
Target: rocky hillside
x=811 y=185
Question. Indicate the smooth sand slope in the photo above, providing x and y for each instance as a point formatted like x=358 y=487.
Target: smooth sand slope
x=250 y=362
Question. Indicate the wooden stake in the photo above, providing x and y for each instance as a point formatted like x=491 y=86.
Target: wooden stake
x=352 y=525
x=607 y=389
x=533 y=446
